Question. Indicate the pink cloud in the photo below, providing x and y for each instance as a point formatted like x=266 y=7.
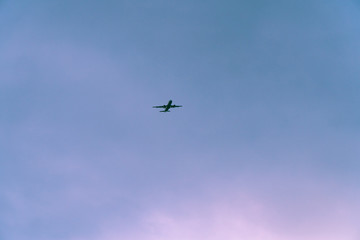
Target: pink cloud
x=232 y=218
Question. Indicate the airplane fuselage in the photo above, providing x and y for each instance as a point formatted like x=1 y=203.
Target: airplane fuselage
x=168 y=106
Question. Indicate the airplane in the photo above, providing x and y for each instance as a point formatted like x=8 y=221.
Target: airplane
x=167 y=107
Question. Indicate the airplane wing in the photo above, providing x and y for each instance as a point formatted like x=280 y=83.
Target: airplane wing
x=163 y=106
x=174 y=106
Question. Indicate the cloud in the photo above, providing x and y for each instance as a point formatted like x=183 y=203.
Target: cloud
x=233 y=217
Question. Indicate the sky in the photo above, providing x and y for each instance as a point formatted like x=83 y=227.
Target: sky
x=266 y=147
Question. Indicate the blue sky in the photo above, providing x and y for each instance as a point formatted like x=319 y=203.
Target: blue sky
x=266 y=145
